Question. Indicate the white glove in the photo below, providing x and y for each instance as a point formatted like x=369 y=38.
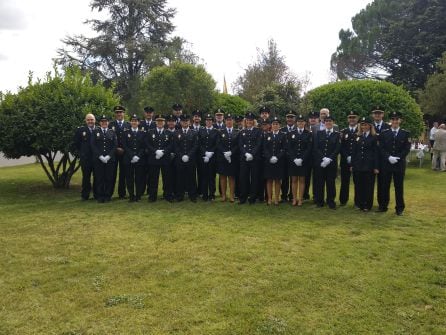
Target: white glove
x=326 y=160
x=273 y=160
x=298 y=161
x=102 y=159
x=227 y=154
x=107 y=158
x=228 y=159
x=159 y=153
x=349 y=159
x=249 y=157
x=206 y=159
x=393 y=160
x=135 y=159
x=324 y=164
x=209 y=154
x=185 y=158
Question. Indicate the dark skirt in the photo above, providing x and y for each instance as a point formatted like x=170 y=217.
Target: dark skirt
x=273 y=171
x=297 y=171
x=227 y=169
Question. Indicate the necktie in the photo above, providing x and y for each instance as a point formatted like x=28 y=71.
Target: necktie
x=229 y=132
x=395 y=133
x=134 y=132
x=103 y=130
x=377 y=127
x=120 y=124
x=300 y=132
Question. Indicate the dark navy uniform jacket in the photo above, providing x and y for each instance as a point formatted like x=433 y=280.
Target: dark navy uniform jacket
x=208 y=141
x=82 y=144
x=365 y=156
x=398 y=146
x=326 y=146
x=185 y=144
x=250 y=141
x=104 y=144
x=155 y=141
x=348 y=139
x=133 y=145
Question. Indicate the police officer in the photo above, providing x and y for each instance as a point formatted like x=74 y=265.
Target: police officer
x=380 y=126
x=186 y=147
x=325 y=155
x=394 y=147
x=196 y=126
x=118 y=126
x=265 y=112
x=171 y=165
x=133 y=143
x=299 y=144
x=82 y=143
x=287 y=194
x=313 y=127
x=265 y=127
x=159 y=143
x=364 y=164
x=148 y=122
x=227 y=157
x=103 y=145
x=273 y=152
x=348 y=138
x=177 y=111
x=250 y=141
x=207 y=138
x=219 y=119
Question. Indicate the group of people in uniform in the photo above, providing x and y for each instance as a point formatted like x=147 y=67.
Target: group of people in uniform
x=256 y=159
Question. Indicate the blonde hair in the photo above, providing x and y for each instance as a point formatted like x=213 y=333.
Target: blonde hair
x=372 y=130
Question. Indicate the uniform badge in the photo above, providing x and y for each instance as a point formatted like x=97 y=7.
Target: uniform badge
x=153 y=136
x=269 y=138
x=84 y=133
x=358 y=139
x=223 y=135
x=113 y=128
x=244 y=134
x=97 y=134
x=179 y=136
x=293 y=136
x=129 y=135
x=167 y=137
x=346 y=136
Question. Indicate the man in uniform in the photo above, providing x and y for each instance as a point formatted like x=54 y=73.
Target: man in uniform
x=348 y=138
x=159 y=143
x=118 y=126
x=250 y=142
x=219 y=119
x=196 y=126
x=177 y=111
x=380 y=126
x=394 y=146
x=207 y=159
x=325 y=154
x=186 y=147
x=82 y=143
x=313 y=127
x=134 y=159
x=171 y=165
x=148 y=122
x=264 y=112
x=103 y=146
x=286 y=192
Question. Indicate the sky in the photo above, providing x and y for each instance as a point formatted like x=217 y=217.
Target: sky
x=224 y=34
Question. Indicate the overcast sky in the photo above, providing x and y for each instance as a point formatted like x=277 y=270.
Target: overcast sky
x=225 y=34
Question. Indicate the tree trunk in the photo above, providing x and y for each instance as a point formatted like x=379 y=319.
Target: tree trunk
x=60 y=175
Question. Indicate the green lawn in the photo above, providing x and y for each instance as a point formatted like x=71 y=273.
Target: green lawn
x=70 y=267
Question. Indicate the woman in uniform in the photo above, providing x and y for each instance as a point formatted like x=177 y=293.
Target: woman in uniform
x=227 y=157
x=365 y=160
x=273 y=160
x=298 y=151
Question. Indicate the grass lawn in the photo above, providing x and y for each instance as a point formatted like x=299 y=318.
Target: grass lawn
x=70 y=267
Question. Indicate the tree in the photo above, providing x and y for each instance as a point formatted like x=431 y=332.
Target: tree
x=280 y=98
x=230 y=103
x=270 y=69
x=399 y=41
x=433 y=97
x=362 y=96
x=132 y=40
x=41 y=118
x=187 y=84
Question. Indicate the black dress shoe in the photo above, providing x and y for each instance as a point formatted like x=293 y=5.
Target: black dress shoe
x=381 y=210
x=399 y=213
x=342 y=204
x=332 y=206
x=242 y=202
